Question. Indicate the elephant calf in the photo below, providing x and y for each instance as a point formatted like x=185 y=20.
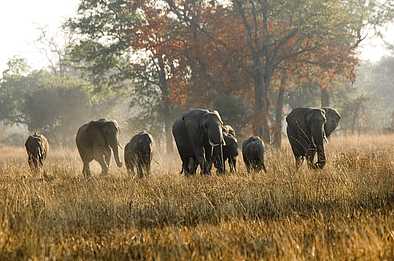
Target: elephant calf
x=37 y=149
x=138 y=153
x=230 y=149
x=253 y=154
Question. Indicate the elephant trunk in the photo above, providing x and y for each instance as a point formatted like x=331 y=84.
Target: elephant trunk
x=321 y=157
x=318 y=138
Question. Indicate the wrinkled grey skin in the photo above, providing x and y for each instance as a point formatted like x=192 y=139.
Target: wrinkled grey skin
x=195 y=133
x=138 y=154
x=37 y=149
x=95 y=141
x=253 y=154
x=230 y=150
x=307 y=129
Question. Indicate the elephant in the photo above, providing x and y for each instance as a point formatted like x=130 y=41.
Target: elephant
x=253 y=150
x=138 y=153
x=95 y=140
x=307 y=129
x=230 y=150
x=37 y=148
x=196 y=133
x=228 y=129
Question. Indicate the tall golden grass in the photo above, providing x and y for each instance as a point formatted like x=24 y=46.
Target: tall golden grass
x=342 y=212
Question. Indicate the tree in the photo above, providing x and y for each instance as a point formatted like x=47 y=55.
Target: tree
x=52 y=104
x=131 y=40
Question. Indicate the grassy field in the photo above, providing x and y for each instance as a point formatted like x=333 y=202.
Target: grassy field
x=342 y=212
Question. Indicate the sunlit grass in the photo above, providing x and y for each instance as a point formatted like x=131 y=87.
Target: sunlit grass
x=342 y=212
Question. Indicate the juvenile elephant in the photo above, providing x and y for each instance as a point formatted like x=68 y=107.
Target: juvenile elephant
x=230 y=150
x=196 y=135
x=228 y=129
x=307 y=128
x=138 y=153
x=37 y=149
x=95 y=140
x=253 y=154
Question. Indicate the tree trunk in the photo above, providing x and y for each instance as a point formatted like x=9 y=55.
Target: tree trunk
x=165 y=104
x=277 y=135
x=168 y=127
x=261 y=122
x=325 y=97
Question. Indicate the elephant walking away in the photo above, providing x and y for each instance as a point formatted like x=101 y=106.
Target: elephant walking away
x=307 y=129
x=95 y=141
x=138 y=153
x=253 y=150
x=197 y=133
x=37 y=149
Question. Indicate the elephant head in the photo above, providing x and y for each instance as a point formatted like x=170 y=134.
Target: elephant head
x=212 y=126
x=109 y=132
x=333 y=118
x=315 y=122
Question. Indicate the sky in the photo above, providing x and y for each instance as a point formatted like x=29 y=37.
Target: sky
x=20 y=20
x=19 y=23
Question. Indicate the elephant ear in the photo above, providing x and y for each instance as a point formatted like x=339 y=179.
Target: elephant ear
x=333 y=118
x=216 y=113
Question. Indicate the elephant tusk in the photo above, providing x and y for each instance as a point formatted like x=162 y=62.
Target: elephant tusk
x=120 y=146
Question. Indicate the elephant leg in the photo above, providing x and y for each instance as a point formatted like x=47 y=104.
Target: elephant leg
x=248 y=166
x=86 y=169
x=107 y=156
x=130 y=168
x=200 y=156
x=299 y=160
x=31 y=163
x=148 y=169
x=103 y=164
x=310 y=157
x=140 y=169
x=193 y=166
x=232 y=162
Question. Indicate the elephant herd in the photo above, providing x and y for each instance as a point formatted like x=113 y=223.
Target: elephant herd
x=202 y=140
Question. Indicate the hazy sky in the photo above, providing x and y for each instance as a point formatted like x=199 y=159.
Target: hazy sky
x=19 y=20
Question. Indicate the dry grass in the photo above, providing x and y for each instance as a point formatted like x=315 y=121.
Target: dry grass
x=342 y=212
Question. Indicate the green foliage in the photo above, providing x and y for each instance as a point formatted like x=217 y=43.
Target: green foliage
x=232 y=110
x=54 y=105
x=107 y=28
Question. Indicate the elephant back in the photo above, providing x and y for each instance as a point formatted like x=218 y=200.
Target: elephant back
x=140 y=143
x=37 y=146
x=253 y=146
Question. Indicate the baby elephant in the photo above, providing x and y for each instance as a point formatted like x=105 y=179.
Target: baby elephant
x=230 y=151
x=138 y=153
x=37 y=149
x=253 y=154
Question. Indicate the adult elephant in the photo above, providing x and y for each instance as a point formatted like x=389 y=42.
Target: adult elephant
x=196 y=135
x=307 y=128
x=95 y=140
